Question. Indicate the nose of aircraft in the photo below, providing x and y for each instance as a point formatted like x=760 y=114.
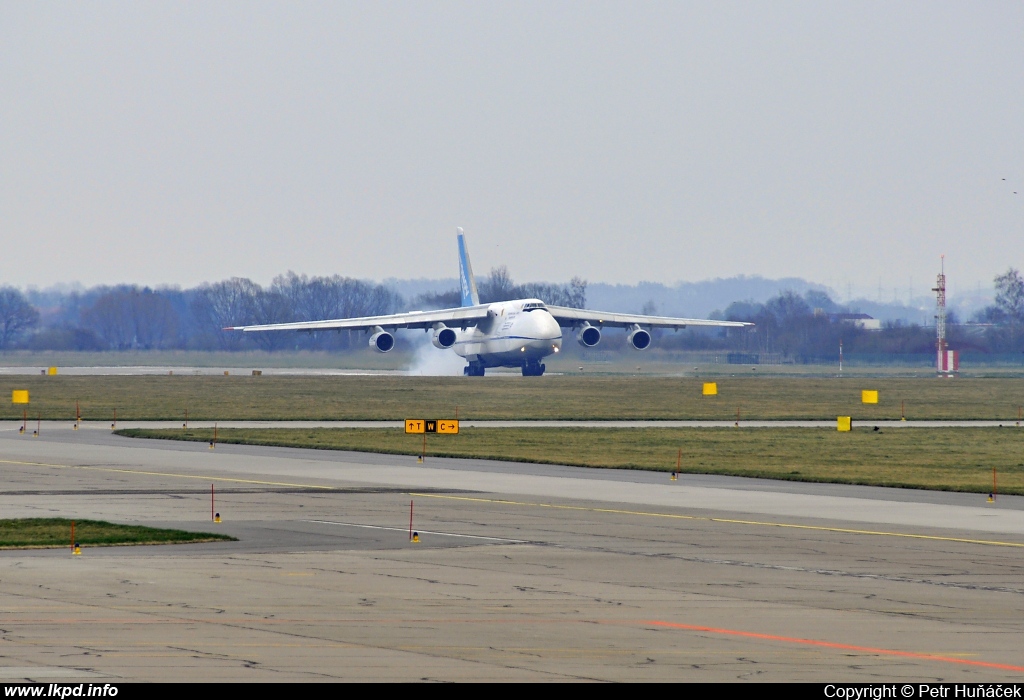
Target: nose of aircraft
x=549 y=332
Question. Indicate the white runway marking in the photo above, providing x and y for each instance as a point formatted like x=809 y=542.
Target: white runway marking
x=422 y=532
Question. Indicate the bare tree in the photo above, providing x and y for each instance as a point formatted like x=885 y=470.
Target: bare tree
x=310 y=299
x=16 y=316
x=319 y=298
x=438 y=300
x=1010 y=295
x=156 y=320
x=498 y=287
x=110 y=317
x=270 y=306
x=577 y=293
x=573 y=295
x=227 y=303
x=1009 y=308
x=130 y=317
x=788 y=306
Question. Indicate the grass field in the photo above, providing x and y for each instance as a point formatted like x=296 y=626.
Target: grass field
x=572 y=360
x=358 y=359
x=951 y=460
x=56 y=532
x=506 y=397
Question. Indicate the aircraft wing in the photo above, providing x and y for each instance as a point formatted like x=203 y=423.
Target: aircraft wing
x=461 y=317
x=567 y=316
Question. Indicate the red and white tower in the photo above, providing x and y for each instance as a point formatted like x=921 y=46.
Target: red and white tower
x=947 y=361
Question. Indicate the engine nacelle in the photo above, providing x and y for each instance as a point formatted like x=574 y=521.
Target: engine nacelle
x=444 y=337
x=589 y=336
x=639 y=338
x=381 y=340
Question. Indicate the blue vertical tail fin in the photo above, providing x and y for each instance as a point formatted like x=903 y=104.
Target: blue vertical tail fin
x=467 y=283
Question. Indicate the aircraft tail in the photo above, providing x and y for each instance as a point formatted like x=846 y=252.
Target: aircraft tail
x=467 y=283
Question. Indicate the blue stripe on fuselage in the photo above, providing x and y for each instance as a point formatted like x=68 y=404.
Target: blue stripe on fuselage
x=503 y=337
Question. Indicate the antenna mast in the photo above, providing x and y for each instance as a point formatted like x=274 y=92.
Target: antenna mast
x=947 y=361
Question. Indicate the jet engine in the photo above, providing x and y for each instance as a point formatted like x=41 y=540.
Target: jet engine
x=381 y=340
x=444 y=337
x=639 y=338
x=589 y=336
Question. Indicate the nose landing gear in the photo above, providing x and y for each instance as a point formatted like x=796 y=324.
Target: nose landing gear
x=474 y=369
x=533 y=369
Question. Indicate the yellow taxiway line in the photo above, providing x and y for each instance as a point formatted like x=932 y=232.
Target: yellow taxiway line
x=174 y=476
x=556 y=506
x=733 y=521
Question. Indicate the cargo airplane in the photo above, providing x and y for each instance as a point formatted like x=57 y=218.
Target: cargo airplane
x=517 y=333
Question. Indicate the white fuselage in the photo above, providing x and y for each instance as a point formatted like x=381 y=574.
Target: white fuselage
x=515 y=333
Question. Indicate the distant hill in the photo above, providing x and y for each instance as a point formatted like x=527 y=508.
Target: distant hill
x=691 y=299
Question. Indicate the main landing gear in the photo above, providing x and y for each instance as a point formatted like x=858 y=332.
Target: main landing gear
x=530 y=369
x=533 y=369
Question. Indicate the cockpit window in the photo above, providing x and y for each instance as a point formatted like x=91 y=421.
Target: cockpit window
x=533 y=305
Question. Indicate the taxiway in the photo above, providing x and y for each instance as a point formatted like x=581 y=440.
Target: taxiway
x=523 y=572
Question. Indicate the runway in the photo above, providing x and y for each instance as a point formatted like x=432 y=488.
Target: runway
x=524 y=572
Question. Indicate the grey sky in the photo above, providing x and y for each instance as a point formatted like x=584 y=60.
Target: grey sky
x=186 y=142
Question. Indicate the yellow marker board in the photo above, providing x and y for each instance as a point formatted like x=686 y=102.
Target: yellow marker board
x=418 y=425
x=869 y=396
x=51 y=371
x=710 y=389
x=843 y=424
x=19 y=396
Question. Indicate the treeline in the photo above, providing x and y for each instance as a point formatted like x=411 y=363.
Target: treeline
x=791 y=327
x=130 y=317
x=811 y=327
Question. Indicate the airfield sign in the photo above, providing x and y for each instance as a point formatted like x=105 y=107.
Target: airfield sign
x=419 y=425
